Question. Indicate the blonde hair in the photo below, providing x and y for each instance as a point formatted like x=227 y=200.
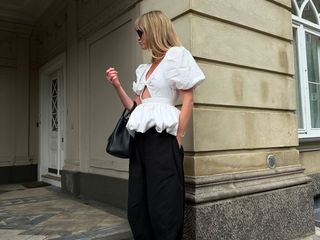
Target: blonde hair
x=159 y=33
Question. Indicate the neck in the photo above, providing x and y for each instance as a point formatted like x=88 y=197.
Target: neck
x=157 y=60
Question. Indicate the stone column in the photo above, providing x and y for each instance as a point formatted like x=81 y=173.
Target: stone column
x=72 y=160
x=70 y=172
x=243 y=175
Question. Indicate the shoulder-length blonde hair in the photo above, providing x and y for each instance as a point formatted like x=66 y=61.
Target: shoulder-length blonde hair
x=159 y=33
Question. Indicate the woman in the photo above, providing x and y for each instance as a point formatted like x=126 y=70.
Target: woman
x=156 y=180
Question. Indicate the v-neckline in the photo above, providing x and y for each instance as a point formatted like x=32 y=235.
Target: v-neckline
x=145 y=77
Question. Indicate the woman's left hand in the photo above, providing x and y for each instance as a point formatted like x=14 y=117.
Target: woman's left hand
x=185 y=113
x=179 y=139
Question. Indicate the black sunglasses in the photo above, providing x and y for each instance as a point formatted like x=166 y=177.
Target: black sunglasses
x=140 y=33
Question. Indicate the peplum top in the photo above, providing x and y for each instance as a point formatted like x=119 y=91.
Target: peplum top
x=177 y=70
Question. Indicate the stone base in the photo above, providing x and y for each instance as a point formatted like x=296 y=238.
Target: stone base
x=96 y=187
x=316 y=194
x=315 y=183
x=18 y=174
x=70 y=182
x=275 y=215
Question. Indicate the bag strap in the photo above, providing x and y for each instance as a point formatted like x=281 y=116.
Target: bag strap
x=133 y=107
x=130 y=111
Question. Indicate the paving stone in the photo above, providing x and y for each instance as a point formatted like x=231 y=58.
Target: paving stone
x=47 y=213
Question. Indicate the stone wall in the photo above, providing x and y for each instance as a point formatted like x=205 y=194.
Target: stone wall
x=244 y=113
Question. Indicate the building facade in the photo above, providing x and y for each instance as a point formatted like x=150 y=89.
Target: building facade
x=252 y=150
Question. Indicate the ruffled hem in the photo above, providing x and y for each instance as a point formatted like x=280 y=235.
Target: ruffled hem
x=162 y=116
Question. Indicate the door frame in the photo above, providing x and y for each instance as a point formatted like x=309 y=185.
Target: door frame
x=58 y=63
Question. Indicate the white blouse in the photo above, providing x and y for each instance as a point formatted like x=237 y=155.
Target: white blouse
x=177 y=70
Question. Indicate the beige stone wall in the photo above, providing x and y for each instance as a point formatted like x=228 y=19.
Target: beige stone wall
x=310 y=160
x=245 y=108
x=310 y=155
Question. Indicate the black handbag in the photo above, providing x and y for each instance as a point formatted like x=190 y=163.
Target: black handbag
x=119 y=142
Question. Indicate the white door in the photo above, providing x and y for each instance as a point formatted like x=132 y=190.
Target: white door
x=56 y=119
x=52 y=121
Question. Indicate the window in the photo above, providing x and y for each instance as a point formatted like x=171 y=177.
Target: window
x=306 y=43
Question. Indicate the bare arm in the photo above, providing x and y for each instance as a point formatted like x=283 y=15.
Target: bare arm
x=185 y=113
x=112 y=77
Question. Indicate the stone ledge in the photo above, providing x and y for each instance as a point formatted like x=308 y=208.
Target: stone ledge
x=212 y=188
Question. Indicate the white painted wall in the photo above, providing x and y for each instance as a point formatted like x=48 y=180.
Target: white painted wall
x=92 y=106
x=14 y=99
x=7 y=119
x=115 y=45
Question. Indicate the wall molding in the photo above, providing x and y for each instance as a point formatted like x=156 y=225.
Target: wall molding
x=21 y=160
x=8 y=62
x=6 y=160
x=111 y=12
x=21 y=29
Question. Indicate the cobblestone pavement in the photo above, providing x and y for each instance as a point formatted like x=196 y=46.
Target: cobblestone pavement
x=46 y=213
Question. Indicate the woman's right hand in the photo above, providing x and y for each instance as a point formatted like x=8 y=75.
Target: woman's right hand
x=112 y=77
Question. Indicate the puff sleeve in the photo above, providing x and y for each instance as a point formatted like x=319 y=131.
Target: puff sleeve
x=183 y=70
x=138 y=85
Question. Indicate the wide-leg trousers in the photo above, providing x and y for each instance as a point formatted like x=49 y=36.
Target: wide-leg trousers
x=156 y=197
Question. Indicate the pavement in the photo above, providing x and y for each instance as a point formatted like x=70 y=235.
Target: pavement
x=44 y=212
x=40 y=213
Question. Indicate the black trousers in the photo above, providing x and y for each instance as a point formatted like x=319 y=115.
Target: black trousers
x=156 y=197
